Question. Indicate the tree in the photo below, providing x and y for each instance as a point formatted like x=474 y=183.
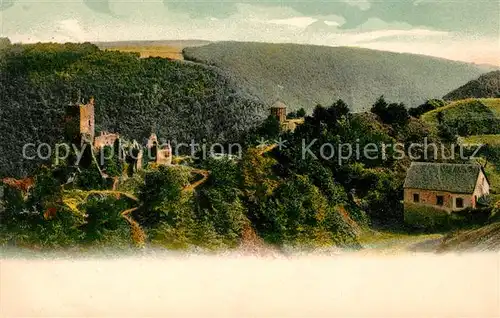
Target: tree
x=394 y=114
x=301 y=113
x=338 y=110
x=380 y=107
x=397 y=114
x=4 y=42
x=429 y=105
x=297 y=114
x=270 y=128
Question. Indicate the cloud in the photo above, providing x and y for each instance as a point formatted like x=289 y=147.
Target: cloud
x=331 y=23
x=396 y=34
x=378 y=24
x=5 y=4
x=272 y=22
x=299 y=22
x=73 y=30
x=101 y=6
x=362 y=4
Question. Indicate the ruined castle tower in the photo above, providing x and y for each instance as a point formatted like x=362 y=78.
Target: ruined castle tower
x=163 y=155
x=279 y=111
x=87 y=121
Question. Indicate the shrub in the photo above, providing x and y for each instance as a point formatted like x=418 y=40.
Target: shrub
x=426 y=107
x=425 y=217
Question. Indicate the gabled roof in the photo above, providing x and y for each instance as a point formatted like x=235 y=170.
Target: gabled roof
x=455 y=178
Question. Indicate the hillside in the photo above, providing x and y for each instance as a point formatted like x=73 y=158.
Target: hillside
x=486 y=86
x=468 y=117
x=180 y=101
x=486 y=238
x=305 y=75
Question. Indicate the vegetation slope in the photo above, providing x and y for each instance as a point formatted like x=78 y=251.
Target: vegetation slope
x=134 y=97
x=486 y=86
x=467 y=117
x=306 y=75
x=486 y=238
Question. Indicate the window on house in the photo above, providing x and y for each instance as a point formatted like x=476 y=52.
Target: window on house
x=416 y=197
x=439 y=200
x=89 y=123
x=459 y=202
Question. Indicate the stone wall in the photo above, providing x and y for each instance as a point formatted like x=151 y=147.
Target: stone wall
x=164 y=156
x=105 y=139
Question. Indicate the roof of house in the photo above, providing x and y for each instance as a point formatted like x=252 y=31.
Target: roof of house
x=455 y=178
x=278 y=104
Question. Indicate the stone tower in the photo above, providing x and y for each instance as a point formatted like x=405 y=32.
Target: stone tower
x=163 y=152
x=87 y=121
x=279 y=111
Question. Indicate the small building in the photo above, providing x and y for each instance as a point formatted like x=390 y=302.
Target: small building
x=443 y=186
x=278 y=110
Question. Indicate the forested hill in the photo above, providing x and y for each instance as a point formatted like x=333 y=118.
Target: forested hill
x=133 y=96
x=486 y=86
x=305 y=75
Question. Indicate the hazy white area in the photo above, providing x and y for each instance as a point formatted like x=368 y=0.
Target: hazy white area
x=347 y=285
x=73 y=21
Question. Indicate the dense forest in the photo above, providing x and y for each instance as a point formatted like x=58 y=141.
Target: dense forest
x=134 y=97
x=305 y=75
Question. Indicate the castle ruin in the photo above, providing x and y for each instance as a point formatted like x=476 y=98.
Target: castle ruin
x=278 y=110
x=87 y=135
x=163 y=152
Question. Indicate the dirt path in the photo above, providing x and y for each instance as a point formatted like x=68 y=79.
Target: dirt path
x=390 y=243
x=267 y=149
x=138 y=234
x=193 y=186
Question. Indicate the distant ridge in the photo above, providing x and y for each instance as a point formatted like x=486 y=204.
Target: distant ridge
x=486 y=86
x=138 y=43
x=305 y=75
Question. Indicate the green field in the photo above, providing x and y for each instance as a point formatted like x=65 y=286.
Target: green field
x=493 y=104
x=459 y=107
x=482 y=140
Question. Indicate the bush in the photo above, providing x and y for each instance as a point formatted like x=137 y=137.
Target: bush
x=425 y=217
x=104 y=222
x=426 y=107
x=392 y=114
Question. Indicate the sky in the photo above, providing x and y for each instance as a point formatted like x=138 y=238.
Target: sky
x=465 y=30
